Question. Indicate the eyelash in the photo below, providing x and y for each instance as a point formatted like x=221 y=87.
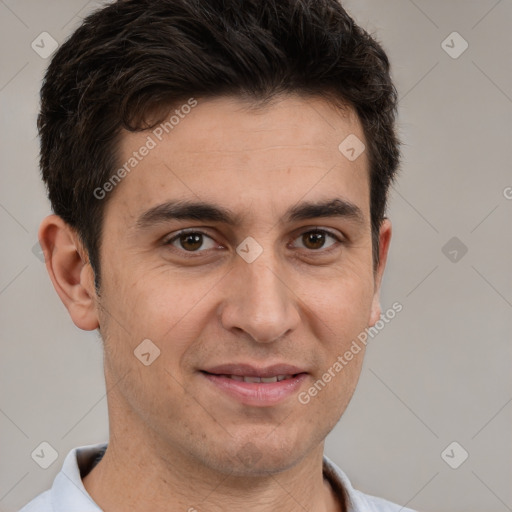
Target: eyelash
x=194 y=254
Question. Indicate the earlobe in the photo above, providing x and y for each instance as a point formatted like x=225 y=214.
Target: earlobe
x=384 y=241
x=70 y=271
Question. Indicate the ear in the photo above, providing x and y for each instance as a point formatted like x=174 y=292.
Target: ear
x=384 y=241
x=70 y=271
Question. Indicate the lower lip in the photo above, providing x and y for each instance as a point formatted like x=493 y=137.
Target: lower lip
x=257 y=393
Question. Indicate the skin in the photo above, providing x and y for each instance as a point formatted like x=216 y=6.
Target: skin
x=176 y=441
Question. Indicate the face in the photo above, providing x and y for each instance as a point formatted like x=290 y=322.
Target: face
x=240 y=246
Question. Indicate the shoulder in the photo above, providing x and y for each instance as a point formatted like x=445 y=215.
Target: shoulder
x=67 y=492
x=41 y=503
x=374 y=504
x=357 y=500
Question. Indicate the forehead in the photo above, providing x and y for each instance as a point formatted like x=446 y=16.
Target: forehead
x=224 y=150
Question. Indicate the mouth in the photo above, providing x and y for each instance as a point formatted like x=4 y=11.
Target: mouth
x=254 y=379
x=260 y=387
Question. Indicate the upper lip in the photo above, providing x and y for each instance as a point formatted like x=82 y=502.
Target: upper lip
x=247 y=370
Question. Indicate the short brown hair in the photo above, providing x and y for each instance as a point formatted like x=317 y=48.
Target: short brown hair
x=133 y=56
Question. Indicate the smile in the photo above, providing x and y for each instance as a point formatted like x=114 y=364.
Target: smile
x=264 y=387
x=247 y=378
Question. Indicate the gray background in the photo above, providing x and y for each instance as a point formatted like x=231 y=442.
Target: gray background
x=438 y=373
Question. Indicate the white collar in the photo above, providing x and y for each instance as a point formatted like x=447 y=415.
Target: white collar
x=68 y=493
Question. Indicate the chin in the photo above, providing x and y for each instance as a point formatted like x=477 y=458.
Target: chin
x=257 y=457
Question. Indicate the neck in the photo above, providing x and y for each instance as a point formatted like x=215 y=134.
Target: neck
x=136 y=476
x=143 y=471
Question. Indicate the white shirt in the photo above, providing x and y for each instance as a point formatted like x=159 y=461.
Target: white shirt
x=68 y=493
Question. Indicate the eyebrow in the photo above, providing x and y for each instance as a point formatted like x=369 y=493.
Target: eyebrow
x=206 y=212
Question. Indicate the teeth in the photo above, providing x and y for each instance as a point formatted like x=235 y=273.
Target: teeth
x=252 y=379
x=268 y=380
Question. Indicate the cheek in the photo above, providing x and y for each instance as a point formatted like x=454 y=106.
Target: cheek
x=340 y=312
x=158 y=305
x=342 y=303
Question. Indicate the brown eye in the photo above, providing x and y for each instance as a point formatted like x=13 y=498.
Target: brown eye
x=191 y=241
x=316 y=239
x=313 y=240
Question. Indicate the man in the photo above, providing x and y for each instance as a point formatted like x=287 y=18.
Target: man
x=219 y=173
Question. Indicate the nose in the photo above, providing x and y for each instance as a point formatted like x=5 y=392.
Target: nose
x=260 y=302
